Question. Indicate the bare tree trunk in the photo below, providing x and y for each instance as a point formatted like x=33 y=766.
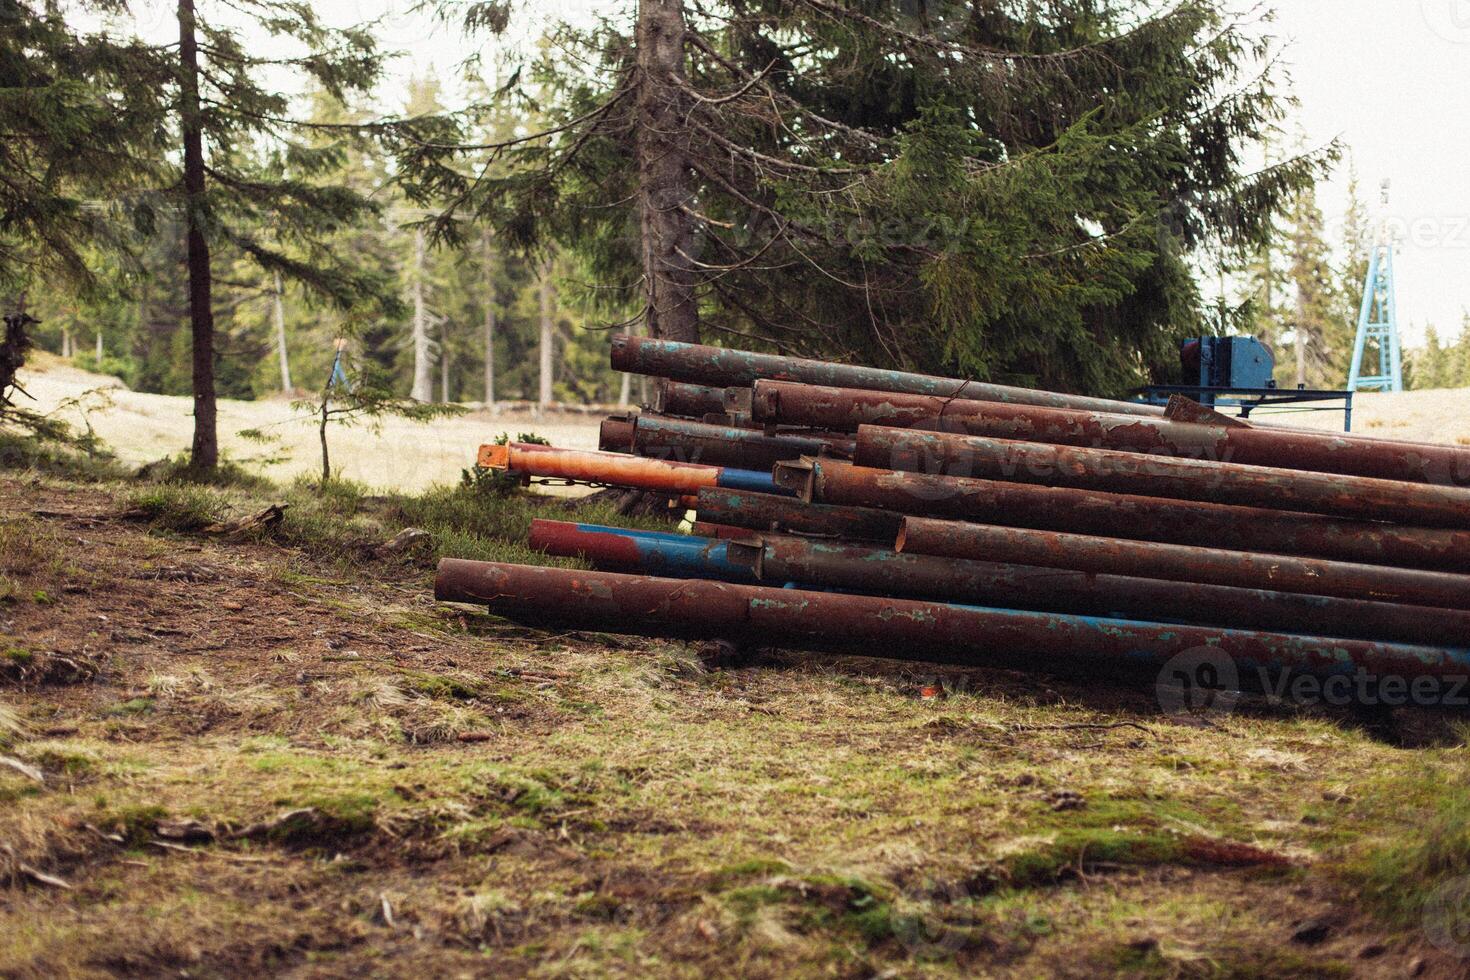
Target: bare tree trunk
x=625 y=392
x=204 y=453
x=667 y=231
x=444 y=364
x=66 y=342
x=1301 y=337
x=279 y=304
x=489 y=276
x=423 y=378
x=548 y=339
x=99 y=348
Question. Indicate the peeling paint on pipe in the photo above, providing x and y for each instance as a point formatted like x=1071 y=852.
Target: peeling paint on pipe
x=1225 y=526
x=1101 y=649
x=765 y=512
x=719 y=366
x=1183 y=563
x=998 y=583
x=684 y=441
x=844 y=409
x=1160 y=476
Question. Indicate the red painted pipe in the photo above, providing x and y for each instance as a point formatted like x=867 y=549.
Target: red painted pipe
x=1255 y=529
x=906 y=628
x=1182 y=563
x=1160 y=476
x=844 y=409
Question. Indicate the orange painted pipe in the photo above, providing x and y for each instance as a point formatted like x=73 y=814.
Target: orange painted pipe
x=599 y=467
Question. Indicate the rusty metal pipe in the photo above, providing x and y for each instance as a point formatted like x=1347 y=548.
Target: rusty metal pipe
x=1253 y=529
x=879 y=571
x=1183 y=563
x=683 y=441
x=1160 y=476
x=844 y=409
x=707 y=529
x=910 y=629
x=765 y=512
x=615 y=435
x=689 y=401
x=719 y=366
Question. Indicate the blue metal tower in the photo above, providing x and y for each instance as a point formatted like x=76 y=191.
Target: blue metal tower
x=1378 y=320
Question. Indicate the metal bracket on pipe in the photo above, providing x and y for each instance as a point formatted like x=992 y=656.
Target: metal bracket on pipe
x=798 y=477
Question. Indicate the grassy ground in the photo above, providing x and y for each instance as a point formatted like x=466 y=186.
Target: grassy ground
x=278 y=755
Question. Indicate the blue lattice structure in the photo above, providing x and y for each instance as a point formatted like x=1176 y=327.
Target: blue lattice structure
x=1378 y=323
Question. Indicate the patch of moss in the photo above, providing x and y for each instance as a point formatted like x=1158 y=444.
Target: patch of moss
x=442 y=687
x=135 y=706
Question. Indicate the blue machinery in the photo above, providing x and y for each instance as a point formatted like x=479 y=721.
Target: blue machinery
x=1237 y=372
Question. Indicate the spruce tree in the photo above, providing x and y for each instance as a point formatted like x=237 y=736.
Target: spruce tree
x=250 y=179
x=1010 y=190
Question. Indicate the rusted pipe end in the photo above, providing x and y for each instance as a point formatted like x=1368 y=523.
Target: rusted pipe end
x=617 y=433
x=796 y=477
x=621 y=356
x=749 y=554
x=458 y=580
x=903 y=533
x=495 y=457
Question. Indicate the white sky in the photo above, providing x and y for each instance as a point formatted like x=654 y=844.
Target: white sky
x=1391 y=78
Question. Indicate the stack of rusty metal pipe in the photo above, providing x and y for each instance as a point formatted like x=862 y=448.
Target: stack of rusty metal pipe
x=847 y=508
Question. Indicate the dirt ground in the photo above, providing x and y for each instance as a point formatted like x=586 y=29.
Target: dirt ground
x=224 y=759
x=142 y=428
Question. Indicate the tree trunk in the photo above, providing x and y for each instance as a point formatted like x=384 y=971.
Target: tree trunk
x=548 y=340
x=280 y=314
x=489 y=276
x=667 y=231
x=66 y=342
x=99 y=348
x=204 y=453
x=423 y=378
x=443 y=364
x=1301 y=337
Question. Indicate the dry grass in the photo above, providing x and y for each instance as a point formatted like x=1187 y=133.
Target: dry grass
x=142 y=428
